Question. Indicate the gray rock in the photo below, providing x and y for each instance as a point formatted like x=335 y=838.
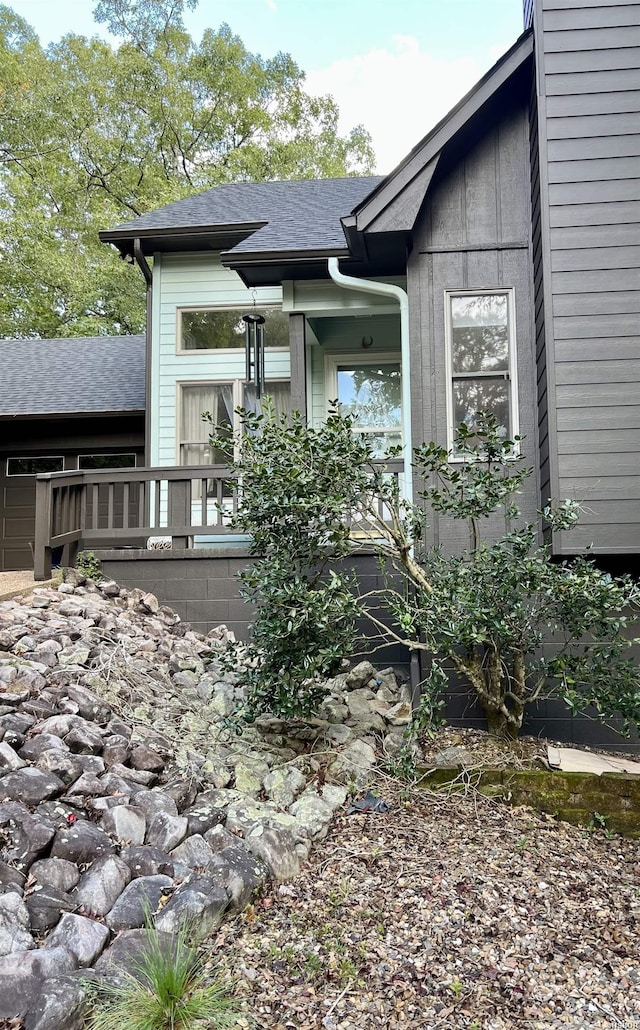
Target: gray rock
x=166 y=831
x=359 y=702
x=183 y=792
x=90 y=706
x=146 y=759
x=313 y=814
x=333 y=711
x=82 y=842
x=14 y=925
x=25 y=836
x=152 y=801
x=35 y=746
x=22 y=975
x=277 y=849
x=84 y=739
x=338 y=734
x=139 y=900
x=45 y=905
x=9 y=759
x=453 y=757
x=359 y=675
x=125 y=822
x=61 y=763
x=55 y=872
x=129 y=949
x=61 y=1005
x=31 y=786
x=194 y=852
x=145 y=860
x=283 y=785
x=198 y=902
x=202 y=817
x=239 y=873
x=11 y=878
x=84 y=938
x=220 y=838
x=400 y=714
x=102 y=885
x=355 y=763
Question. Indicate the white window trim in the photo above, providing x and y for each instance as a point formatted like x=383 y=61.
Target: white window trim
x=222 y=307
x=512 y=379
x=331 y=363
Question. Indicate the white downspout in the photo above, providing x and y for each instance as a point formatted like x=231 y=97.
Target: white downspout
x=389 y=290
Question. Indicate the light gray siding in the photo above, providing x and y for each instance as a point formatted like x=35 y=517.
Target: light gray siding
x=474 y=233
x=588 y=124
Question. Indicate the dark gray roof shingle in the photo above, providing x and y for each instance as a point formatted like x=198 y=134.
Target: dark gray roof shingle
x=302 y=214
x=65 y=376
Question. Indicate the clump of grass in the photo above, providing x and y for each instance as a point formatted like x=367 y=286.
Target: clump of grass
x=167 y=989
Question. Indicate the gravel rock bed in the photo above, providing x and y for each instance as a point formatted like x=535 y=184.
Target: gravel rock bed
x=446 y=913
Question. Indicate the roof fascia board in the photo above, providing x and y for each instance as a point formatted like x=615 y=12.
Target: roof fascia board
x=432 y=144
x=224 y=229
x=31 y=416
x=231 y=259
x=411 y=197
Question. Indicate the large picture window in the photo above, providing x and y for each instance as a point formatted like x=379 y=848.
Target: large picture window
x=223 y=329
x=481 y=364
x=221 y=400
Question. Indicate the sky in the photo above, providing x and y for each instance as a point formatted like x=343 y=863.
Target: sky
x=394 y=66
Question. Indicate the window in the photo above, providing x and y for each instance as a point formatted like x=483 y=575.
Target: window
x=223 y=329
x=370 y=389
x=221 y=400
x=481 y=359
x=33 y=466
x=106 y=461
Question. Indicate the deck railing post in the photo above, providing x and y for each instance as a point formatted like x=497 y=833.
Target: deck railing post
x=41 y=546
x=179 y=507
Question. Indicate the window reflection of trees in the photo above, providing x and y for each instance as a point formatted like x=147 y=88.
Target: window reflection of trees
x=480 y=333
x=473 y=395
x=377 y=392
x=214 y=330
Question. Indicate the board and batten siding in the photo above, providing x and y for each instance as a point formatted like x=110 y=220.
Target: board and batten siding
x=588 y=121
x=474 y=233
x=195 y=280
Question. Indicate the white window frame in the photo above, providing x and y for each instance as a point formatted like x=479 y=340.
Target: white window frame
x=331 y=363
x=240 y=308
x=512 y=372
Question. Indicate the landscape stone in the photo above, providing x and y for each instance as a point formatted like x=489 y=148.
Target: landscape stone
x=276 y=848
x=84 y=938
x=219 y=838
x=61 y=763
x=139 y=900
x=129 y=948
x=400 y=714
x=202 y=817
x=239 y=873
x=284 y=784
x=146 y=860
x=83 y=739
x=198 y=902
x=60 y=1005
x=45 y=905
x=25 y=836
x=9 y=759
x=146 y=759
x=250 y=775
x=125 y=822
x=194 y=852
x=166 y=831
x=55 y=872
x=102 y=884
x=359 y=702
x=90 y=706
x=82 y=842
x=22 y=975
x=14 y=925
x=30 y=786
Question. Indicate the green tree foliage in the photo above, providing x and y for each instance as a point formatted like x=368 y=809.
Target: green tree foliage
x=311 y=496
x=299 y=489
x=93 y=134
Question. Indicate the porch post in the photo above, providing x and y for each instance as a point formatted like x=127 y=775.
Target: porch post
x=41 y=544
x=298 y=351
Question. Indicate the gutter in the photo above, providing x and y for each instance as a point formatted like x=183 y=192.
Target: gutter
x=349 y=282
x=143 y=265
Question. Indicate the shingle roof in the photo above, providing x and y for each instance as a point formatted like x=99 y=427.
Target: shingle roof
x=301 y=214
x=65 y=376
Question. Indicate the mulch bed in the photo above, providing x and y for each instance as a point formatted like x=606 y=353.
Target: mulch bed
x=449 y=911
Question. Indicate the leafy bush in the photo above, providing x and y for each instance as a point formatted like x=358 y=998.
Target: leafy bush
x=298 y=489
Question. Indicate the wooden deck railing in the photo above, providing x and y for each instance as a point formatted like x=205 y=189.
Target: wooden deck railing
x=75 y=510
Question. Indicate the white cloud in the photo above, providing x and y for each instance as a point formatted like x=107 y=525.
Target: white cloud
x=398 y=93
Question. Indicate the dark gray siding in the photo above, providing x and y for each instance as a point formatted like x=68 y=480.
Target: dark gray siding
x=474 y=233
x=588 y=55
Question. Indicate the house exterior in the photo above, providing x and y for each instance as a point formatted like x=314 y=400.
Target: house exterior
x=64 y=405
x=497 y=266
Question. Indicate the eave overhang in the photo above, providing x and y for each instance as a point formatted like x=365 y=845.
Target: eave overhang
x=179 y=238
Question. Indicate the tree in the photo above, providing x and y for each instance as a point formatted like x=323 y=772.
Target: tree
x=312 y=496
x=92 y=135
